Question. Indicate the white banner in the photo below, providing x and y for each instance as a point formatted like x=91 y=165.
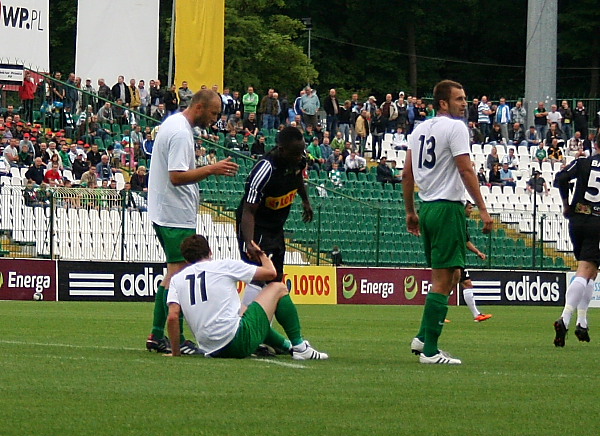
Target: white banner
x=596 y=297
x=117 y=38
x=24 y=32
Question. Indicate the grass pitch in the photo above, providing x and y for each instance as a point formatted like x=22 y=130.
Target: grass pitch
x=82 y=369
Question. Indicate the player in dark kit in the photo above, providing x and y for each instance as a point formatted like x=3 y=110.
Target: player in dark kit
x=584 y=229
x=271 y=188
x=270 y=191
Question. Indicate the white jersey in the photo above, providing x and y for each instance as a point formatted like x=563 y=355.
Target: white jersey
x=207 y=294
x=434 y=144
x=170 y=205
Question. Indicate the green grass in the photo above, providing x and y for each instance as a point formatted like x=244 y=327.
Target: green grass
x=81 y=369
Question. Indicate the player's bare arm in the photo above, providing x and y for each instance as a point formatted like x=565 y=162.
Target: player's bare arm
x=247 y=225
x=463 y=164
x=408 y=187
x=307 y=212
x=225 y=167
x=471 y=247
x=173 y=328
x=266 y=271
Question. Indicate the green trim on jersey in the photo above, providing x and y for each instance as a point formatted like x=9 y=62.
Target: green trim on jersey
x=252 y=331
x=170 y=239
x=443 y=229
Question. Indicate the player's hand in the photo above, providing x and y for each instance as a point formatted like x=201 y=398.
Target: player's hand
x=307 y=213
x=488 y=222
x=171 y=355
x=482 y=256
x=253 y=251
x=257 y=249
x=225 y=167
x=412 y=223
x=567 y=211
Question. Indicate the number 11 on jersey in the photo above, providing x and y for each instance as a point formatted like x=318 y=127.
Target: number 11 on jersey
x=192 y=279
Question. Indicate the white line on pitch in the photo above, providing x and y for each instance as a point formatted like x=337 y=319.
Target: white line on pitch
x=286 y=364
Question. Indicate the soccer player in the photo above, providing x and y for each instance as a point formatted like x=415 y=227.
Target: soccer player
x=438 y=160
x=584 y=230
x=270 y=190
x=206 y=292
x=465 y=279
x=173 y=198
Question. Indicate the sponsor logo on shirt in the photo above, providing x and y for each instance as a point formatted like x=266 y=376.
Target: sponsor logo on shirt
x=285 y=200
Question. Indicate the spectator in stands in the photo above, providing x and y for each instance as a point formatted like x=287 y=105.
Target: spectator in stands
x=481 y=176
x=144 y=97
x=326 y=149
x=335 y=157
x=533 y=138
x=511 y=159
x=104 y=92
x=148 y=145
x=384 y=173
x=269 y=108
x=171 y=101
x=139 y=180
x=127 y=199
x=355 y=163
x=221 y=125
x=29 y=195
x=554 y=116
x=335 y=175
x=554 y=133
x=119 y=90
x=483 y=116
x=133 y=92
x=338 y=141
x=475 y=135
x=567 y=119
x=26 y=94
x=516 y=136
x=492 y=158
x=575 y=146
x=94 y=156
x=345 y=120
x=236 y=123
x=518 y=114
x=11 y=153
x=315 y=158
x=160 y=113
x=106 y=114
x=157 y=96
x=506 y=176
x=537 y=184
x=35 y=173
x=540 y=120
x=42 y=152
x=494 y=177
x=496 y=137
x=89 y=179
x=555 y=153
x=104 y=170
x=250 y=102
x=53 y=176
x=310 y=104
x=473 y=112
x=80 y=166
x=64 y=156
x=332 y=109
x=362 y=129
x=540 y=153
x=250 y=124
x=55 y=158
x=377 y=129
x=120 y=114
x=25 y=158
x=258 y=148
x=212 y=156
x=58 y=90
x=72 y=94
x=201 y=159
x=503 y=117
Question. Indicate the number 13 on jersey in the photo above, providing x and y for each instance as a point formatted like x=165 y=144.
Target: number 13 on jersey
x=426 y=152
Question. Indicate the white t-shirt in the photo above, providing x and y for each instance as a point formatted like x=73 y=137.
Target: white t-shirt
x=434 y=144
x=207 y=294
x=170 y=205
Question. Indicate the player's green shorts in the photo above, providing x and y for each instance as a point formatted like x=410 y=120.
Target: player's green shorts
x=443 y=229
x=252 y=331
x=170 y=239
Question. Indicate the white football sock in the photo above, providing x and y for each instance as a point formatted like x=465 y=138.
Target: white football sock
x=583 y=305
x=470 y=300
x=250 y=293
x=575 y=292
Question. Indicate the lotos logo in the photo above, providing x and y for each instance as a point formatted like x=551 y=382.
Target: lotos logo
x=527 y=290
x=17 y=16
x=349 y=286
x=411 y=287
x=276 y=203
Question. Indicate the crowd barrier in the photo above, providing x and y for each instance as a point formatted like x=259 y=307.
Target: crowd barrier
x=26 y=279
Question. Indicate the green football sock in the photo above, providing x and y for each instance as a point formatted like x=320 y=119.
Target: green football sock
x=160 y=313
x=287 y=315
x=277 y=340
x=434 y=313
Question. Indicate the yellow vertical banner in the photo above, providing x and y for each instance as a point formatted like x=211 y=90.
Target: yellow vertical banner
x=199 y=43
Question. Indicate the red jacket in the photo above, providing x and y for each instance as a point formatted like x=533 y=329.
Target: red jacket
x=27 y=90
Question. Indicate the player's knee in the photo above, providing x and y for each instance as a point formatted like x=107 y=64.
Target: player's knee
x=281 y=289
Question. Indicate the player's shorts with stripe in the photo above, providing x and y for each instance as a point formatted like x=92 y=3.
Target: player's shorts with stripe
x=464 y=275
x=584 y=231
x=443 y=229
x=272 y=242
x=252 y=331
x=170 y=239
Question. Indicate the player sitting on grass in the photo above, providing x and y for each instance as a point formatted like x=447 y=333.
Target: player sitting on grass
x=206 y=292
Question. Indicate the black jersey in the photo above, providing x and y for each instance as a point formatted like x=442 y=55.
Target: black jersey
x=587 y=190
x=273 y=188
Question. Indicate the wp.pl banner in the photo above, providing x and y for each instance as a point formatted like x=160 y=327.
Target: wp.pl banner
x=24 y=32
x=117 y=38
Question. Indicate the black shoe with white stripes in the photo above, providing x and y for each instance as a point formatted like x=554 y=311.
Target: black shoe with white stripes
x=304 y=351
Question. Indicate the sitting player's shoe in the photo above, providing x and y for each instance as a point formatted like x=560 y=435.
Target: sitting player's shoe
x=162 y=345
x=482 y=317
x=582 y=333
x=305 y=352
x=264 y=351
x=439 y=359
x=561 y=333
x=189 y=348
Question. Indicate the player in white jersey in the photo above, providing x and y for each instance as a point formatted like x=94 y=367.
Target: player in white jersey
x=173 y=197
x=206 y=293
x=439 y=161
